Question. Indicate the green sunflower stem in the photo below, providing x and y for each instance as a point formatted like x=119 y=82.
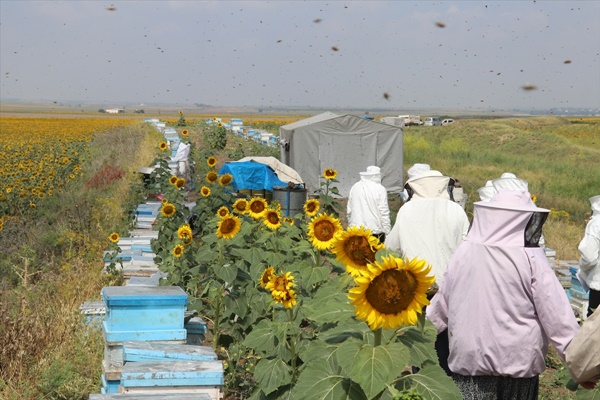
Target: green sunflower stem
x=292 y=341
x=378 y=335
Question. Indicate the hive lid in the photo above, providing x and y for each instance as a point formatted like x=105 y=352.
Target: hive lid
x=142 y=295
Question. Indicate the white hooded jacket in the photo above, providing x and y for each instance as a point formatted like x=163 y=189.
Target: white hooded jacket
x=430 y=226
x=368 y=203
x=589 y=248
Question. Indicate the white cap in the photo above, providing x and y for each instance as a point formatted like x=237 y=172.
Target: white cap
x=371 y=170
x=508 y=175
x=417 y=169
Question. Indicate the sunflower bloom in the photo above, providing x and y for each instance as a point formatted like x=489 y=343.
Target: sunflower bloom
x=272 y=219
x=211 y=177
x=180 y=183
x=257 y=207
x=178 y=251
x=168 y=210
x=240 y=206
x=211 y=162
x=205 y=191
x=173 y=179
x=391 y=293
x=164 y=201
x=322 y=230
x=289 y=220
x=355 y=248
x=281 y=289
x=222 y=212
x=229 y=227
x=114 y=237
x=185 y=233
x=329 y=173
x=184 y=132
x=163 y=146
x=311 y=207
x=225 y=179
x=266 y=276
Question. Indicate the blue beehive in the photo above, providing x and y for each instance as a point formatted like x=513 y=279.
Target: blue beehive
x=110 y=386
x=170 y=374
x=577 y=289
x=146 y=396
x=144 y=313
x=153 y=351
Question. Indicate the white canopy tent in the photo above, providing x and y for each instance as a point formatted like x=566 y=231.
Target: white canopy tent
x=346 y=143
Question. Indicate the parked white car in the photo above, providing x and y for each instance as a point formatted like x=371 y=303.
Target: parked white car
x=447 y=121
x=432 y=121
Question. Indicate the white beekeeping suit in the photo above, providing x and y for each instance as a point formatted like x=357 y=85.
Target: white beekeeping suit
x=430 y=226
x=487 y=192
x=413 y=172
x=589 y=251
x=181 y=157
x=368 y=204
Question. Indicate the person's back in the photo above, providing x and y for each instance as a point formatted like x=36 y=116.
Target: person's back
x=430 y=226
x=500 y=299
x=368 y=205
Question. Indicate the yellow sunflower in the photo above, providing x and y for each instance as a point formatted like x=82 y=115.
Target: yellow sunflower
x=173 y=179
x=168 y=210
x=355 y=248
x=164 y=201
x=184 y=132
x=240 y=206
x=114 y=237
x=257 y=207
x=266 y=276
x=222 y=212
x=272 y=219
x=392 y=292
x=212 y=161
x=212 y=176
x=205 y=191
x=229 y=227
x=185 y=233
x=163 y=146
x=180 y=183
x=533 y=198
x=225 y=179
x=178 y=251
x=311 y=207
x=289 y=220
x=329 y=173
x=322 y=230
x=281 y=289
x=180 y=112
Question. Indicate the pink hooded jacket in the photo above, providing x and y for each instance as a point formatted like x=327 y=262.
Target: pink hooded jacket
x=500 y=300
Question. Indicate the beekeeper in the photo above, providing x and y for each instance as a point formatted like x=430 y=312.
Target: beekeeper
x=501 y=303
x=413 y=172
x=181 y=157
x=589 y=260
x=430 y=226
x=368 y=204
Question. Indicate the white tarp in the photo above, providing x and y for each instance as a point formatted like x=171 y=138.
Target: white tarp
x=283 y=172
x=346 y=143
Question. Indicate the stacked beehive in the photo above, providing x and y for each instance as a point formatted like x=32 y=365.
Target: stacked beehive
x=145 y=345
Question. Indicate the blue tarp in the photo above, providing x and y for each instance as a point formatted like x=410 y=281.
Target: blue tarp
x=251 y=175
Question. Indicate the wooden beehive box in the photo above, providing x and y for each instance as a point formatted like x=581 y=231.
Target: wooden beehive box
x=161 y=351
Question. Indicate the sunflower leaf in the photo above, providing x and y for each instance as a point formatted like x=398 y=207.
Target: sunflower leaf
x=420 y=346
x=226 y=272
x=238 y=305
x=431 y=382
x=372 y=367
x=271 y=374
x=261 y=338
x=320 y=381
x=335 y=309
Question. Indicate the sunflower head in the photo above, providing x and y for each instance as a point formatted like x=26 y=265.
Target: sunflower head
x=205 y=191
x=289 y=220
x=272 y=219
x=164 y=201
x=257 y=207
x=225 y=179
x=311 y=207
x=266 y=276
x=173 y=179
x=355 y=248
x=391 y=293
x=211 y=162
x=329 y=173
x=281 y=289
x=322 y=230
x=533 y=198
x=222 y=212
x=212 y=177
x=240 y=206
x=178 y=251
x=229 y=227
x=180 y=112
x=179 y=183
x=114 y=237
x=184 y=132
x=185 y=233
x=163 y=146
x=168 y=210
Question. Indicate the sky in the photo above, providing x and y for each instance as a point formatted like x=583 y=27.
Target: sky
x=348 y=54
